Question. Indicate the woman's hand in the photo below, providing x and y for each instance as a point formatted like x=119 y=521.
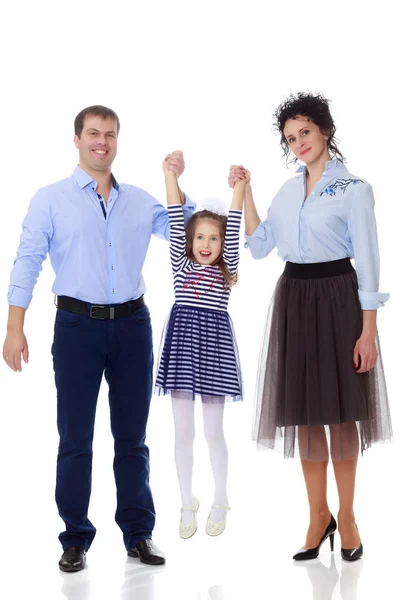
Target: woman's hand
x=365 y=353
x=238 y=173
x=174 y=162
x=243 y=180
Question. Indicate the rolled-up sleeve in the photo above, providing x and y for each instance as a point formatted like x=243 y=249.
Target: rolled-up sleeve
x=261 y=242
x=364 y=238
x=37 y=231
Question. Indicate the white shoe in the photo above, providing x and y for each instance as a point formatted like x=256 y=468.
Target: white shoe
x=186 y=531
x=217 y=528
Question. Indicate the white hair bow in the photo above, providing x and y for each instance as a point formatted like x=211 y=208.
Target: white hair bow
x=215 y=205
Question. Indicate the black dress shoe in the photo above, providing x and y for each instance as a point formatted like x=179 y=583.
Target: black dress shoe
x=73 y=559
x=354 y=554
x=148 y=553
x=309 y=553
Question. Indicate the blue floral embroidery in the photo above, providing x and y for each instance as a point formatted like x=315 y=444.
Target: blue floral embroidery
x=340 y=185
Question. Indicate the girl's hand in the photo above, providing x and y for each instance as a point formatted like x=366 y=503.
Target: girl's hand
x=365 y=353
x=237 y=173
x=174 y=162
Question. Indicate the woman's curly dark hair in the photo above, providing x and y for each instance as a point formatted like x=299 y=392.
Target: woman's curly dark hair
x=316 y=108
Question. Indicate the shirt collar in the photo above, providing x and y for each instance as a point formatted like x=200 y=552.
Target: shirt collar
x=331 y=167
x=83 y=179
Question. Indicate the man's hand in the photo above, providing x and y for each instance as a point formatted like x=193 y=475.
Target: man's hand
x=174 y=162
x=15 y=345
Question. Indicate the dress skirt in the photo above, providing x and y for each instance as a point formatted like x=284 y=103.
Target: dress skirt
x=309 y=396
x=199 y=356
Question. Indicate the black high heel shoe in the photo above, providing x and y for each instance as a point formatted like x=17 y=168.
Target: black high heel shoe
x=308 y=554
x=354 y=553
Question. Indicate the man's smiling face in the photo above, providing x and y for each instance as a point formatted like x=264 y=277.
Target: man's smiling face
x=97 y=143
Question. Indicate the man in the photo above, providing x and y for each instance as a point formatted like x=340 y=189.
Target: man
x=97 y=233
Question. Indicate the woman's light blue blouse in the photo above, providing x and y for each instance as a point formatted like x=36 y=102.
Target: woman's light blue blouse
x=336 y=221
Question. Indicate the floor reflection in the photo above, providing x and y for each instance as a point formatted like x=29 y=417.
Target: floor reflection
x=76 y=586
x=325 y=579
x=324 y=582
x=349 y=579
x=138 y=583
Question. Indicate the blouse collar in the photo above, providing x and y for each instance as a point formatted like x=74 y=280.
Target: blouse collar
x=331 y=166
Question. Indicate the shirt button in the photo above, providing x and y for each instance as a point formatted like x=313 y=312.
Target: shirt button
x=109 y=243
x=113 y=291
x=112 y=267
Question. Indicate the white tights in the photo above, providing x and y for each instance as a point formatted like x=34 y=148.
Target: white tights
x=213 y=413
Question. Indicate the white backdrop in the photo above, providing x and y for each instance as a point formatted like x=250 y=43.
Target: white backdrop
x=203 y=77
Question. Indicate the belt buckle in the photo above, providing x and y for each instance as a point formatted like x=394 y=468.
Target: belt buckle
x=94 y=306
x=112 y=312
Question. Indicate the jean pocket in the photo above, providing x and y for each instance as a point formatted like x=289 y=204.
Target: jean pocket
x=67 y=319
x=141 y=316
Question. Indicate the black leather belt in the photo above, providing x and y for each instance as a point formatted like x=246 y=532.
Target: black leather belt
x=99 y=311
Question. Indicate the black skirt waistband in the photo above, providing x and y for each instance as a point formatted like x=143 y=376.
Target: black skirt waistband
x=331 y=268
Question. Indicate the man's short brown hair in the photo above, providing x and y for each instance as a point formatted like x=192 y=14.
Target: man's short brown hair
x=95 y=111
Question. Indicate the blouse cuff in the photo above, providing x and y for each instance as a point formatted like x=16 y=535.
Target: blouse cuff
x=257 y=233
x=372 y=300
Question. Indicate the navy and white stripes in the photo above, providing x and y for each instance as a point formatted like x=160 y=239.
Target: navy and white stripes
x=200 y=354
x=202 y=285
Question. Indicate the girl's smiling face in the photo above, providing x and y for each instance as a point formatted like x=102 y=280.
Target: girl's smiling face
x=207 y=242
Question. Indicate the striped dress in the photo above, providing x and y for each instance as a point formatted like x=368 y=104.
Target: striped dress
x=199 y=354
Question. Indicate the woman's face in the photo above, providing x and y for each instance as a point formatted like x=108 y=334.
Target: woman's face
x=305 y=139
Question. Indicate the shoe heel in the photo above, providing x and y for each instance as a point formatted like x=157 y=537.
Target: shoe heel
x=332 y=541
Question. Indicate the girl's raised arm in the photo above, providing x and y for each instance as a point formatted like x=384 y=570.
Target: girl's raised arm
x=239 y=191
x=171 y=182
x=231 y=247
x=177 y=247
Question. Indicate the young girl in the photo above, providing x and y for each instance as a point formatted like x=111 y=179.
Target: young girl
x=199 y=356
x=320 y=369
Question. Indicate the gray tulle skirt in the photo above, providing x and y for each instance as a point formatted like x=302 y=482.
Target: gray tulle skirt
x=309 y=397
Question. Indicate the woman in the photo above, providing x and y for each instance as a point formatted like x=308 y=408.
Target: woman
x=320 y=374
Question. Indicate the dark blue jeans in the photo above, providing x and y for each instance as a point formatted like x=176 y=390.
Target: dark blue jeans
x=83 y=350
